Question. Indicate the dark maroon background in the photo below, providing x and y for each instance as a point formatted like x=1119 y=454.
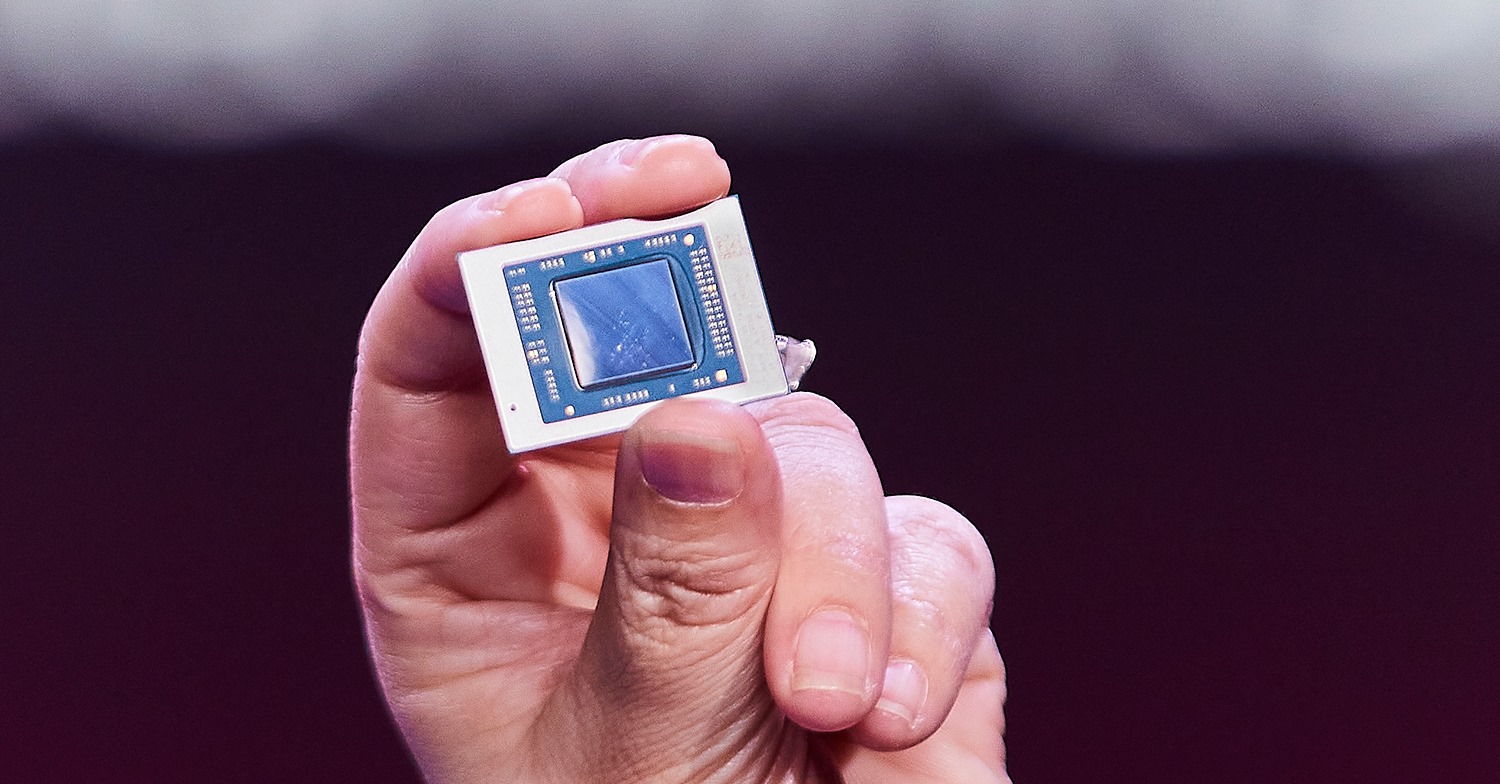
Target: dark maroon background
x=1231 y=426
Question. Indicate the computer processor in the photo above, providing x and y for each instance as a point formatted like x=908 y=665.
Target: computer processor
x=585 y=330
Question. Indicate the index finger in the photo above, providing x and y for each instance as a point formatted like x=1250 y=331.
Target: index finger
x=425 y=443
x=418 y=336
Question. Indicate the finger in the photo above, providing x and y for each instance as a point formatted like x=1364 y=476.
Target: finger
x=943 y=584
x=419 y=391
x=976 y=724
x=673 y=654
x=418 y=337
x=828 y=626
x=646 y=178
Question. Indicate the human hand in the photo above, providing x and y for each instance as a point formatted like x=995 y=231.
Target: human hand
x=721 y=593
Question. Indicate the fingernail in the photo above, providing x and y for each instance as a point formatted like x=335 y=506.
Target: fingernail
x=497 y=201
x=832 y=654
x=636 y=151
x=905 y=691
x=633 y=153
x=691 y=467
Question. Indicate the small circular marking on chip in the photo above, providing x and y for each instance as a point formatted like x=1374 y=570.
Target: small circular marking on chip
x=569 y=410
x=721 y=375
x=688 y=239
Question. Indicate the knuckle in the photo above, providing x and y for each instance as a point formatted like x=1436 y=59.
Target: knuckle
x=798 y=414
x=943 y=574
x=924 y=525
x=818 y=446
x=678 y=585
x=854 y=552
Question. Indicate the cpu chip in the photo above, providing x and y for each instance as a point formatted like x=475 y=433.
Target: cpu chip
x=585 y=330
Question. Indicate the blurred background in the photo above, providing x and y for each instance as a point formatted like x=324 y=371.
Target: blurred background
x=1190 y=305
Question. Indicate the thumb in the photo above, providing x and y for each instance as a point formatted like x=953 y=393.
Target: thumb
x=672 y=661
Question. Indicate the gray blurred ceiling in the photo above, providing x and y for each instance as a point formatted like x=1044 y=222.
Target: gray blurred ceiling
x=1361 y=76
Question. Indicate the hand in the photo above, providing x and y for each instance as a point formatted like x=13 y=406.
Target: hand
x=720 y=594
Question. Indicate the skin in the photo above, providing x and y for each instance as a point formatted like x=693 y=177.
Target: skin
x=629 y=609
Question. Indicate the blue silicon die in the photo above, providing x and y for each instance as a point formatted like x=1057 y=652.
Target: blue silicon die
x=623 y=323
